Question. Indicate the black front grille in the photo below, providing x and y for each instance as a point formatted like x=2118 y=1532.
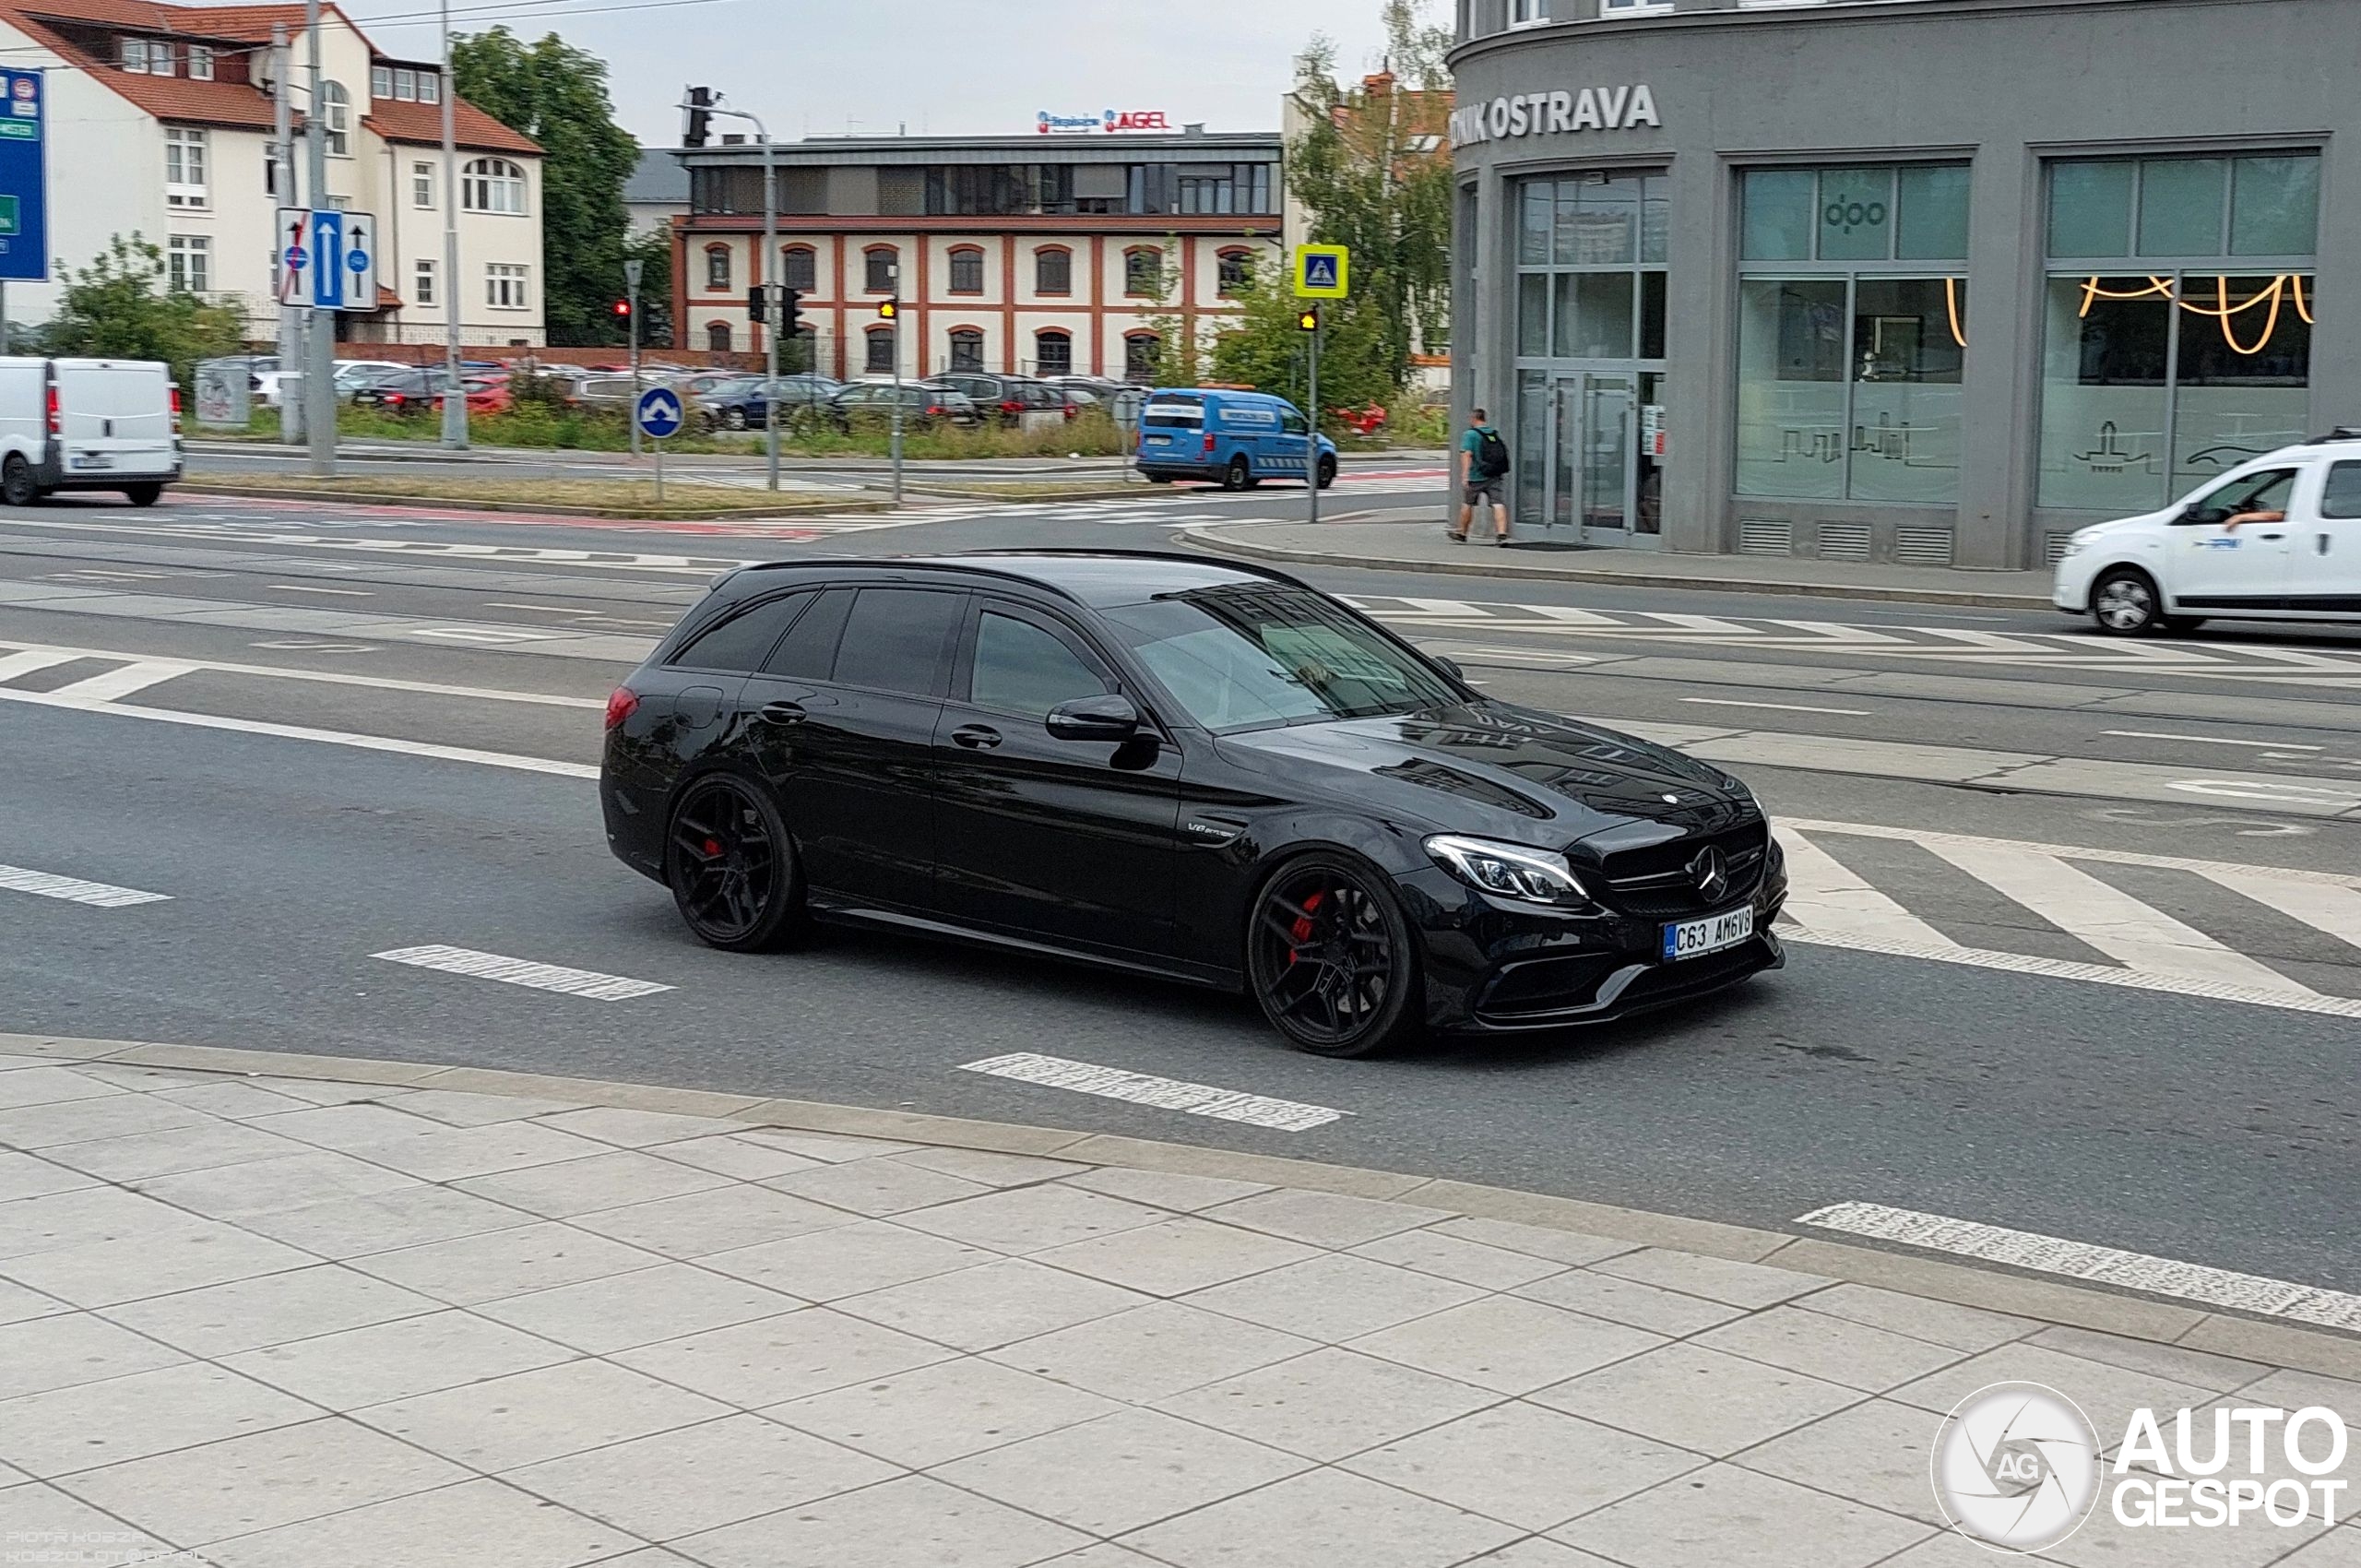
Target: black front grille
x=1690 y=977
x=1549 y=985
x=1655 y=883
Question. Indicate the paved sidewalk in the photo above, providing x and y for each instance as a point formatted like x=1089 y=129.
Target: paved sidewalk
x=264 y=1319
x=1401 y=544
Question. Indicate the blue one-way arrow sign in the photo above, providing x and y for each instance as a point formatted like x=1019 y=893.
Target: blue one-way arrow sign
x=658 y=413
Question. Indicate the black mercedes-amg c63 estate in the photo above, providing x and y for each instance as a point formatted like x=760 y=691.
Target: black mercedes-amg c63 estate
x=1199 y=770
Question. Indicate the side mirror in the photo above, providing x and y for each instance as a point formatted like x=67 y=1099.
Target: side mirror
x=1111 y=718
x=1448 y=666
x=2205 y=517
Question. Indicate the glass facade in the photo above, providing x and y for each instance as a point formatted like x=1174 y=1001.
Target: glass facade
x=2177 y=325
x=1851 y=344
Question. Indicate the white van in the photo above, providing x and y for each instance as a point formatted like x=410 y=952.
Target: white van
x=88 y=424
x=2277 y=539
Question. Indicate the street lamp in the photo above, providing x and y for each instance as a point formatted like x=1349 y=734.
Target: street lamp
x=699 y=105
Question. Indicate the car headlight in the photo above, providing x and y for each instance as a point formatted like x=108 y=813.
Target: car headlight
x=1510 y=871
x=2075 y=545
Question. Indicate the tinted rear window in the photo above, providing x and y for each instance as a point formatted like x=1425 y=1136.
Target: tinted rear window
x=2343 y=496
x=1174 y=412
x=738 y=643
x=895 y=639
x=808 y=651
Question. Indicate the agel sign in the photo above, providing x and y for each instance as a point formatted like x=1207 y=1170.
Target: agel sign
x=1105 y=120
x=1554 y=114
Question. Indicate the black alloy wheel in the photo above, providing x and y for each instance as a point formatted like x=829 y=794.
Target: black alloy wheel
x=143 y=495
x=733 y=418
x=1327 y=470
x=17 y=487
x=1240 y=475
x=731 y=867
x=1330 y=959
x=2124 y=603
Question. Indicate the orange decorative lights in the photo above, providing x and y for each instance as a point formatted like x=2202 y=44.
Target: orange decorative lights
x=2284 y=290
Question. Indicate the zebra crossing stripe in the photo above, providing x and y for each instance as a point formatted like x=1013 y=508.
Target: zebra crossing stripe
x=74 y=890
x=523 y=972
x=2094 y=1265
x=1836 y=905
x=1146 y=1089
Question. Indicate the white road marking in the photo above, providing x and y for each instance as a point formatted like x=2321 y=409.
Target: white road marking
x=2099 y=1265
x=523 y=972
x=342 y=593
x=2270 y=791
x=26 y=661
x=1836 y=905
x=307 y=645
x=487 y=634
x=112 y=684
x=542 y=609
x=2073 y=852
x=2209 y=740
x=74 y=890
x=1778 y=706
x=2336 y=911
x=46 y=655
x=1168 y=1094
x=2108 y=919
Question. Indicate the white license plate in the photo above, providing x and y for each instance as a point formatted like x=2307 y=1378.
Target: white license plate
x=93 y=460
x=1692 y=939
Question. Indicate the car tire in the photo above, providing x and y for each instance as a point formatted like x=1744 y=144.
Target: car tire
x=1330 y=959
x=17 y=486
x=1327 y=472
x=732 y=868
x=1240 y=475
x=733 y=418
x=2125 y=602
x=143 y=495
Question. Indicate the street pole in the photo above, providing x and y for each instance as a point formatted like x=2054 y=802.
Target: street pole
x=454 y=408
x=631 y=295
x=319 y=371
x=773 y=301
x=897 y=386
x=1312 y=436
x=282 y=138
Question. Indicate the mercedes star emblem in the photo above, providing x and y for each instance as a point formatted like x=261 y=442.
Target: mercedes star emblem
x=1708 y=871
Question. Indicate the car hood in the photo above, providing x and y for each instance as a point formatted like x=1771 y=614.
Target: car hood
x=1500 y=771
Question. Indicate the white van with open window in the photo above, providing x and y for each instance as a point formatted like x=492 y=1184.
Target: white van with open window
x=2275 y=538
x=88 y=424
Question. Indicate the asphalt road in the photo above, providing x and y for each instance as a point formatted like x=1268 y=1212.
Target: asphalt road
x=2080 y=950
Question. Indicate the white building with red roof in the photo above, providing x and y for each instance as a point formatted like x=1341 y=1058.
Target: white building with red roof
x=160 y=123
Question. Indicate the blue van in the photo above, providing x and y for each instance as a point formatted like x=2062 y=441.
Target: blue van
x=1240 y=438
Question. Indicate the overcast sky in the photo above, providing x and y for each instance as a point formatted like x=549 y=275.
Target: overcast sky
x=943 y=68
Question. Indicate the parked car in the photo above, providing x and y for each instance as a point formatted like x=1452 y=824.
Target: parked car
x=88 y=424
x=2278 y=538
x=401 y=392
x=1239 y=438
x=1180 y=767
x=484 y=395
x=737 y=404
x=870 y=403
x=1016 y=400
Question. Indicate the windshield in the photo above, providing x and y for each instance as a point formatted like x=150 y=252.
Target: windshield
x=1247 y=658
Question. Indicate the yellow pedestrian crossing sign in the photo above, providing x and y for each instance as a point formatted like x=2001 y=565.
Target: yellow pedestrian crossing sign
x=1323 y=272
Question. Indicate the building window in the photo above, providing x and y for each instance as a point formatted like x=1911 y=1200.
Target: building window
x=883 y=269
x=422 y=184
x=430 y=87
x=1224 y=188
x=1236 y=274
x=716 y=268
x=188 y=261
x=184 y=168
x=339 y=107
x=421 y=287
x=1052 y=353
x=967 y=270
x=1143 y=273
x=146 y=57
x=405 y=84
x=2178 y=334
x=1852 y=331
x=1525 y=13
x=1143 y=354
x=879 y=359
x=1053 y=272
x=381 y=82
x=967 y=348
x=493 y=184
x=799 y=268
x=200 y=63
x=504 y=285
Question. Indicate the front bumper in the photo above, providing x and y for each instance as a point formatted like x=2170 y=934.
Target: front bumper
x=2072 y=589
x=1493 y=968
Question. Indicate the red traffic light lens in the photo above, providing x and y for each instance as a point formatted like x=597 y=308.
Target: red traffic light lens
x=622 y=307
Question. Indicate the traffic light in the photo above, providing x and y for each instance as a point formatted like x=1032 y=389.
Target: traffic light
x=623 y=310
x=1308 y=319
x=790 y=316
x=889 y=310
x=697 y=124
x=757 y=305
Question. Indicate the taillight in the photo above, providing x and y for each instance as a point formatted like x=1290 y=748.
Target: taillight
x=932 y=411
x=176 y=410
x=1209 y=446
x=57 y=420
x=1072 y=412
x=621 y=704
x=1012 y=408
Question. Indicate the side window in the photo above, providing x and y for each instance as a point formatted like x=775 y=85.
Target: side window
x=738 y=643
x=1291 y=423
x=809 y=651
x=2264 y=492
x=2341 y=496
x=1021 y=667
x=894 y=639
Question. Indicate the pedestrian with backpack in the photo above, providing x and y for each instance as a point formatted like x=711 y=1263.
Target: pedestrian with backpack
x=1483 y=470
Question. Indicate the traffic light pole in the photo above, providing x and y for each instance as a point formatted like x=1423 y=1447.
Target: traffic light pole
x=897 y=392
x=319 y=371
x=1312 y=436
x=631 y=300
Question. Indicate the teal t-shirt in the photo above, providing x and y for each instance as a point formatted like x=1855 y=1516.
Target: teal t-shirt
x=1474 y=440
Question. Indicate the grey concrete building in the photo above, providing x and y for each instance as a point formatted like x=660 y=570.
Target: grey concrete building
x=1929 y=280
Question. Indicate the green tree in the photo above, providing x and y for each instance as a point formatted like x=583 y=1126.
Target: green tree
x=1266 y=347
x=1374 y=170
x=557 y=95
x=121 y=306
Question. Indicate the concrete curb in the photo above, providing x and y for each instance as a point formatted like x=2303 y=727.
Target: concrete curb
x=2147 y=1318
x=548 y=509
x=1215 y=539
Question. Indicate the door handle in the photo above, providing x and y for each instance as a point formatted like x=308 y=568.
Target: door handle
x=783 y=712
x=2271 y=536
x=977 y=737
x=2320 y=546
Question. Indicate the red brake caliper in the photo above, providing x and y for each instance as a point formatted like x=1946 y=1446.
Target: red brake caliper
x=712 y=848
x=1301 y=930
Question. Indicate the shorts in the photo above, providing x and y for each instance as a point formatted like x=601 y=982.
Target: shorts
x=1483 y=490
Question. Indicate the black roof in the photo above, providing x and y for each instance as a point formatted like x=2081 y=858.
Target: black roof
x=1095 y=578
